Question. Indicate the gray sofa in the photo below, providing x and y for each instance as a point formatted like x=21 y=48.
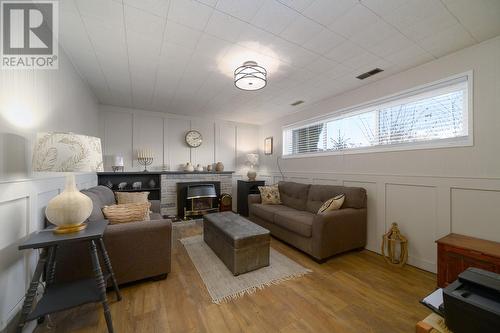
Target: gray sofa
x=297 y=223
x=137 y=250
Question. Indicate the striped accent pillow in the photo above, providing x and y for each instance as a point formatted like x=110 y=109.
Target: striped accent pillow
x=131 y=197
x=332 y=204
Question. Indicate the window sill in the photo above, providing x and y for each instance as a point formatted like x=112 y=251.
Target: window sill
x=445 y=143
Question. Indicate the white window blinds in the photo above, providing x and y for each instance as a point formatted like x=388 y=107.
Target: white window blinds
x=429 y=115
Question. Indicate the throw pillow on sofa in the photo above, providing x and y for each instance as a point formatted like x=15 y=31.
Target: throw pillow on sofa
x=124 y=213
x=332 y=204
x=270 y=195
x=131 y=197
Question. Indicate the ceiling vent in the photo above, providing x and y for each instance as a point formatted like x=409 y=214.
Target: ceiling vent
x=369 y=73
x=296 y=103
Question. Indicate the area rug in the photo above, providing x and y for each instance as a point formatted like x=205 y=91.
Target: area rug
x=223 y=286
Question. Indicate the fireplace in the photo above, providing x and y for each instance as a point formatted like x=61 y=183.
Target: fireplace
x=194 y=199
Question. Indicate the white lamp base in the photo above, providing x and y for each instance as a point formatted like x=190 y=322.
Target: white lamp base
x=69 y=209
x=251 y=174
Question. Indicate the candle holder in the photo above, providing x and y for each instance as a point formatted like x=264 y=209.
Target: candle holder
x=145 y=161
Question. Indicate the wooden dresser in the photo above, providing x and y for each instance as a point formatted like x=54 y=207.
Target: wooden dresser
x=457 y=252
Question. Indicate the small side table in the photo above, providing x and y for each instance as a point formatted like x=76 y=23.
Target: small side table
x=63 y=296
x=246 y=187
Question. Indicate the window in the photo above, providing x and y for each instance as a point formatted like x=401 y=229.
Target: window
x=436 y=115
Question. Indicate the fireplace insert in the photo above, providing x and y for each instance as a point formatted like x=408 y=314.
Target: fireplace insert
x=197 y=199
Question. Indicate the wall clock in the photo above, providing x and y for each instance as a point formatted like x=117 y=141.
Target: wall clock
x=193 y=139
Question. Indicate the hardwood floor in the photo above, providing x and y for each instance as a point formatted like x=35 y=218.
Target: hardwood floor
x=354 y=292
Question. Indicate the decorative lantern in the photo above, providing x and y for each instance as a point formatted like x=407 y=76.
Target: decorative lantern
x=396 y=246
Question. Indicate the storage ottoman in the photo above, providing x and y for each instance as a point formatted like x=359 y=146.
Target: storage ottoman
x=242 y=245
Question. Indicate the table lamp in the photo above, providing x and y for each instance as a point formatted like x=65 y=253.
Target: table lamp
x=117 y=163
x=252 y=159
x=68 y=153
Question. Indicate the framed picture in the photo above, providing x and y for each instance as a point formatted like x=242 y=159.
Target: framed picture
x=268 y=145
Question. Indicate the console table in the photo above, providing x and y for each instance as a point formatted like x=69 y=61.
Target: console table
x=458 y=252
x=63 y=296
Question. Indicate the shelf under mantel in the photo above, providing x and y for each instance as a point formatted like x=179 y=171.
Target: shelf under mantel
x=138 y=173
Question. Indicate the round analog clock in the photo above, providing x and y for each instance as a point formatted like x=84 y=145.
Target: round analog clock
x=194 y=139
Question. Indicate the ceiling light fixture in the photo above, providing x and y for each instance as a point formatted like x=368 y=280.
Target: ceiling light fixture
x=250 y=76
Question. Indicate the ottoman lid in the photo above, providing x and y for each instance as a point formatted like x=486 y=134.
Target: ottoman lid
x=237 y=230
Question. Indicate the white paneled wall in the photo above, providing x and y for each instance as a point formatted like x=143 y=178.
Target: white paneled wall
x=147 y=131
x=117 y=137
x=126 y=130
x=177 y=153
x=205 y=154
x=225 y=144
x=425 y=208
x=476 y=211
x=33 y=101
x=414 y=208
x=373 y=234
x=22 y=207
x=432 y=192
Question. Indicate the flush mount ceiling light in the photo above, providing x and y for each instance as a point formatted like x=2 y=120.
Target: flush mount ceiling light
x=250 y=76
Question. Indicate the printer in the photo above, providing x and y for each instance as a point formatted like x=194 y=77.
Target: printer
x=472 y=302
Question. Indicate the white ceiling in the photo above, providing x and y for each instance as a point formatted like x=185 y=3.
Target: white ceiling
x=163 y=55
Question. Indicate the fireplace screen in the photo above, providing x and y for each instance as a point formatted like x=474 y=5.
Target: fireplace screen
x=200 y=200
x=201 y=203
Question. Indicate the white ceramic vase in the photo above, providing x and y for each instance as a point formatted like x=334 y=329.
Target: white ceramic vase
x=189 y=167
x=69 y=209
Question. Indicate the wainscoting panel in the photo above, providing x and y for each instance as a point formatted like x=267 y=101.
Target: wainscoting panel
x=125 y=130
x=14 y=226
x=303 y=180
x=426 y=207
x=42 y=202
x=326 y=181
x=178 y=151
x=205 y=153
x=276 y=179
x=22 y=207
x=225 y=145
x=479 y=208
x=414 y=209
x=148 y=133
x=373 y=238
x=268 y=179
x=117 y=137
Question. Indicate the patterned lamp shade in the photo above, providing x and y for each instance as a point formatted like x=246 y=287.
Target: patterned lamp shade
x=253 y=159
x=67 y=152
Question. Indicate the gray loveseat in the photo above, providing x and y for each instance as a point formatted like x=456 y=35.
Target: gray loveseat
x=137 y=250
x=297 y=223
